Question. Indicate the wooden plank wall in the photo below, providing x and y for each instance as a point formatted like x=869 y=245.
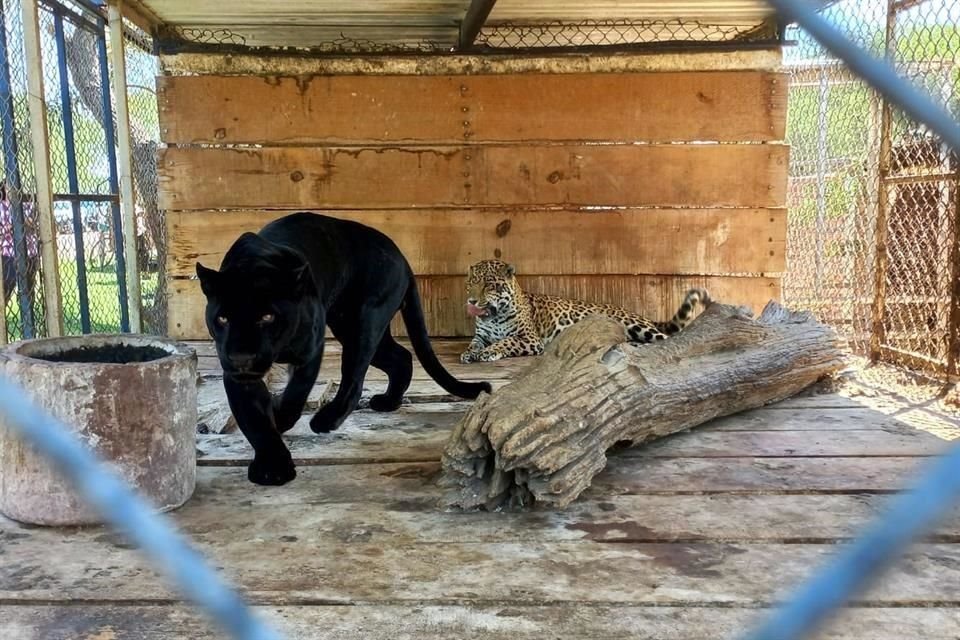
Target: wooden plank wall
x=625 y=188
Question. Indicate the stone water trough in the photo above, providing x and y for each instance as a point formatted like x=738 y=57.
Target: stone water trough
x=132 y=399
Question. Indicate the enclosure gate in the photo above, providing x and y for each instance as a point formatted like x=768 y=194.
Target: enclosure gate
x=873 y=241
x=85 y=17
x=93 y=275
x=916 y=285
x=14 y=209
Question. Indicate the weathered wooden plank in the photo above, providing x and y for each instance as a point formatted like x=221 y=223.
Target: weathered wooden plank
x=419 y=433
x=617 y=519
x=449 y=350
x=422 y=391
x=819 y=401
x=727 y=106
x=279 y=64
x=450 y=176
x=330 y=369
x=226 y=506
x=464 y=622
x=436 y=242
x=443 y=347
x=444 y=297
x=847 y=417
x=286 y=566
x=624 y=476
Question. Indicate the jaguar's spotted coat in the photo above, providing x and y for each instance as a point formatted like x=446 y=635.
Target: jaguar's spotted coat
x=511 y=322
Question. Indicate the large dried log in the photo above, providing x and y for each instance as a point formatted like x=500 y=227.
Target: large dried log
x=544 y=436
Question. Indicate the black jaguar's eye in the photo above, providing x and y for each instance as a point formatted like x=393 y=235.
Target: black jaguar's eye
x=222 y=320
x=267 y=318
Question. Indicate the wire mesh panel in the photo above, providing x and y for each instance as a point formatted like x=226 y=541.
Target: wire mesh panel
x=142 y=69
x=873 y=197
x=561 y=33
x=22 y=285
x=83 y=168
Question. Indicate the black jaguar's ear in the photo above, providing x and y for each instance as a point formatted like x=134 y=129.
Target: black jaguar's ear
x=510 y=270
x=208 y=280
x=302 y=278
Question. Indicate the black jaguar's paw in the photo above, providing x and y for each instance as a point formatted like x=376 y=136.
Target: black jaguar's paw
x=271 y=472
x=383 y=402
x=327 y=419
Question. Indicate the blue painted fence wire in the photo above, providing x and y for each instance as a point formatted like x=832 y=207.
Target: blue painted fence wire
x=132 y=516
x=911 y=514
x=914 y=512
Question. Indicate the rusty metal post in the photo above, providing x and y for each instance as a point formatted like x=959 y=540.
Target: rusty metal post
x=877 y=332
x=953 y=329
x=823 y=170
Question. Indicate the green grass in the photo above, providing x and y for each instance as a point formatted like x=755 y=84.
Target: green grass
x=103 y=292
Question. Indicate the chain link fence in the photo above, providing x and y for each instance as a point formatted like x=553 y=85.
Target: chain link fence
x=872 y=242
x=80 y=170
x=612 y=33
x=84 y=173
x=503 y=35
x=22 y=285
x=143 y=67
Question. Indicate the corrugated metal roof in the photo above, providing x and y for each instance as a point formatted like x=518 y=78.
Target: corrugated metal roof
x=386 y=23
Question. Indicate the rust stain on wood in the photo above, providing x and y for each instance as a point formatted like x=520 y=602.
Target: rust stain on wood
x=443 y=296
x=581 y=175
x=657 y=107
x=447 y=242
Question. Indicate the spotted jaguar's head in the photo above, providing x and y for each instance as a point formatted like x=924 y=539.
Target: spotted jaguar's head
x=492 y=289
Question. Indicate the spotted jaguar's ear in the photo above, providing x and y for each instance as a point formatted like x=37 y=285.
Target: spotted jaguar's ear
x=209 y=278
x=509 y=270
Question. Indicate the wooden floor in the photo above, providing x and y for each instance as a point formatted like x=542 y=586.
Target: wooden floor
x=690 y=538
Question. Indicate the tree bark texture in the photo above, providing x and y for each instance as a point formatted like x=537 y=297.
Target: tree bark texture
x=543 y=437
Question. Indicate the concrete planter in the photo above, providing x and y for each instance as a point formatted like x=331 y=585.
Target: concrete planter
x=132 y=399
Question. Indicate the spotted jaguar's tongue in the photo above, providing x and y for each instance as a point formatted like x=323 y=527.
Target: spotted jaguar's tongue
x=474 y=311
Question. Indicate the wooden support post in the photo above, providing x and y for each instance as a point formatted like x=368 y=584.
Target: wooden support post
x=823 y=150
x=39 y=137
x=3 y=310
x=473 y=21
x=953 y=331
x=878 y=332
x=124 y=162
x=140 y=15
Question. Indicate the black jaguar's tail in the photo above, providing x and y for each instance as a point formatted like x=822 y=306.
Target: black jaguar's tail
x=412 y=312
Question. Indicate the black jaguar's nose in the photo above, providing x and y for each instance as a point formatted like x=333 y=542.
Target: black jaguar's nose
x=242 y=361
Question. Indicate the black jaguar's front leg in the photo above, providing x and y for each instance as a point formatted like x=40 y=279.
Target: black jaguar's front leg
x=288 y=407
x=251 y=405
x=359 y=341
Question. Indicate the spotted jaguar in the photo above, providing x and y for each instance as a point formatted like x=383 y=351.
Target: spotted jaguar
x=511 y=322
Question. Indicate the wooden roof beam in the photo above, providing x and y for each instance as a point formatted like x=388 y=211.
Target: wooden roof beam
x=473 y=21
x=139 y=14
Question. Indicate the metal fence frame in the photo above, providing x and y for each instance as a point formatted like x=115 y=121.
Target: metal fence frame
x=46 y=80
x=96 y=24
x=822 y=595
x=879 y=272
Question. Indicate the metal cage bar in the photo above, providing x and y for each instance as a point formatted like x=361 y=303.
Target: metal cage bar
x=114 y=180
x=73 y=181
